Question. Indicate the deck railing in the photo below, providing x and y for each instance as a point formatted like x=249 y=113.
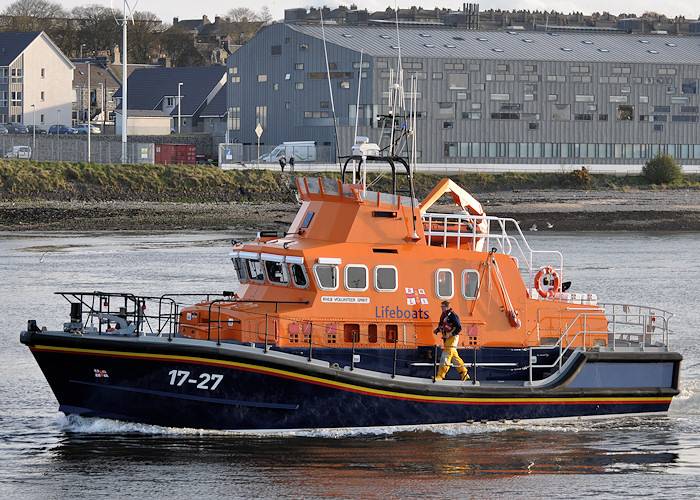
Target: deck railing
x=630 y=327
x=504 y=234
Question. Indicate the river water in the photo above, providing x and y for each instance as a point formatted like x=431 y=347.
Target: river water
x=47 y=455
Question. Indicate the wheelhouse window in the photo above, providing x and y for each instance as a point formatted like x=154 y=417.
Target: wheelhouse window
x=356 y=278
x=276 y=272
x=386 y=279
x=255 y=270
x=326 y=276
x=239 y=266
x=444 y=283
x=470 y=284
x=298 y=274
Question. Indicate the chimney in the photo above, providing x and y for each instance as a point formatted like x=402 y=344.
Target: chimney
x=176 y=20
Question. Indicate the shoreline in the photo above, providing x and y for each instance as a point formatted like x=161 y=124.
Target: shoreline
x=563 y=210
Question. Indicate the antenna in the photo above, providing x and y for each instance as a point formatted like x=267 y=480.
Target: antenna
x=357 y=110
x=123 y=22
x=330 y=88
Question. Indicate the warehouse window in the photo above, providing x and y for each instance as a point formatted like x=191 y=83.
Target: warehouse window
x=689 y=86
x=625 y=112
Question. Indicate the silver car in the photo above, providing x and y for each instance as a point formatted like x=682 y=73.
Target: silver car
x=83 y=129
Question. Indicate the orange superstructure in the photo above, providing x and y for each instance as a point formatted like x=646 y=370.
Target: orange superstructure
x=361 y=269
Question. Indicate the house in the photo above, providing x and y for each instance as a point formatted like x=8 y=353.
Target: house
x=35 y=80
x=105 y=79
x=93 y=93
x=192 y=26
x=141 y=122
x=196 y=88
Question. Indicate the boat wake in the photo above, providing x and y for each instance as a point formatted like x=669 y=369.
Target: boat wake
x=688 y=401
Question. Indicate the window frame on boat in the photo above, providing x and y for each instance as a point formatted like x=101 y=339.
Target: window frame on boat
x=334 y=268
x=255 y=262
x=438 y=292
x=249 y=258
x=376 y=280
x=465 y=273
x=273 y=264
x=239 y=267
x=346 y=282
x=294 y=263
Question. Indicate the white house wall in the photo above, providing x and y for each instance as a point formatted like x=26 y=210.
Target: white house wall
x=55 y=83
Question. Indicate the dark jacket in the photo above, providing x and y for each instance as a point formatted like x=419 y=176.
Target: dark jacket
x=450 y=318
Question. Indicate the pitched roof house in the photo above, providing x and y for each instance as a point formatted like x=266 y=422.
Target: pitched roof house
x=196 y=87
x=35 y=80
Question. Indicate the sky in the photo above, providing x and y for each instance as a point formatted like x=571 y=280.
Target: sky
x=188 y=9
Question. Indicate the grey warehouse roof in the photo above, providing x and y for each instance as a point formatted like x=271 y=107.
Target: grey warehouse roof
x=511 y=45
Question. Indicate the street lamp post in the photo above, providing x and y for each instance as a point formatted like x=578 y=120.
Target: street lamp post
x=33 y=130
x=102 y=105
x=58 y=124
x=179 y=108
x=89 y=111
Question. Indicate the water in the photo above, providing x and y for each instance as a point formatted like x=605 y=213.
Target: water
x=47 y=455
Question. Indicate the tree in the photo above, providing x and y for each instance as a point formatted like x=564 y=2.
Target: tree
x=142 y=37
x=662 y=169
x=245 y=23
x=97 y=29
x=178 y=44
x=31 y=15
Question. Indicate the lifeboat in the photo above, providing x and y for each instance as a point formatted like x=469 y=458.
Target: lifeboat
x=333 y=325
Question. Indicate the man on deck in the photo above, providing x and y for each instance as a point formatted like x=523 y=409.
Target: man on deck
x=449 y=327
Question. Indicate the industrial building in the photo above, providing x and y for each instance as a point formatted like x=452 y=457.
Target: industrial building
x=554 y=99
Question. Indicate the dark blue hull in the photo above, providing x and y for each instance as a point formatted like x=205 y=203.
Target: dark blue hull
x=196 y=384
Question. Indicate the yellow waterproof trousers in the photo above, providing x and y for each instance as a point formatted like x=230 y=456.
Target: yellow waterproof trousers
x=450 y=353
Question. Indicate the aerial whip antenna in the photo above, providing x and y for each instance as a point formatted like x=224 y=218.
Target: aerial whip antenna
x=330 y=88
x=357 y=109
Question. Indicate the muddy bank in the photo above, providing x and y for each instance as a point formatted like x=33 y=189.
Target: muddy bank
x=548 y=210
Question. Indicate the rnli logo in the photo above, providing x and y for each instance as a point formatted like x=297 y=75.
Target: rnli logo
x=415 y=296
x=101 y=373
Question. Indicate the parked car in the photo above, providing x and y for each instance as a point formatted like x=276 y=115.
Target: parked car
x=82 y=128
x=61 y=129
x=16 y=128
x=3 y=130
x=24 y=152
x=36 y=129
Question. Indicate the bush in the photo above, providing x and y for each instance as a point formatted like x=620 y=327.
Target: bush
x=579 y=178
x=662 y=169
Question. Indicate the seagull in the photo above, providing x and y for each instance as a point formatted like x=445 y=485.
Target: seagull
x=42 y=257
x=534 y=227
x=549 y=226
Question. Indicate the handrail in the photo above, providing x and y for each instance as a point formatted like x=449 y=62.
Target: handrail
x=628 y=327
x=452 y=225
x=654 y=318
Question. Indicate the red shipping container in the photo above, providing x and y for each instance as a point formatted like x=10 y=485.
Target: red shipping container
x=164 y=154
x=186 y=153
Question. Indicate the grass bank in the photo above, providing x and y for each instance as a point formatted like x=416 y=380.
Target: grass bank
x=62 y=181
